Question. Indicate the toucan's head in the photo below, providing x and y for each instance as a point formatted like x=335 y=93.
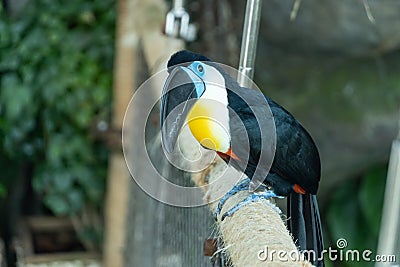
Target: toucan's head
x=195 y=92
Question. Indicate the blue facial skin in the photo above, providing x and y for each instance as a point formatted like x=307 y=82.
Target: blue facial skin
x=198 y=68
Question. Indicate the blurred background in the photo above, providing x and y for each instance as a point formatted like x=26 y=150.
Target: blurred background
x=69 y=68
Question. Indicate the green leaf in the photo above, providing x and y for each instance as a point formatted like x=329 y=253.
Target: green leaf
x=16 y=95
x=62 y=181
x=5 y=36
x=10 y=61
x=57 y=203
x=76 y=199
x=55 y=149
x=42 y=180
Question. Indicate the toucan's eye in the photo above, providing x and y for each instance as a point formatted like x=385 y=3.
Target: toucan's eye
x=200 y=68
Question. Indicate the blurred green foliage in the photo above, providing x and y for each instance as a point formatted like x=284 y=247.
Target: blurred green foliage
x=56 y=62
x=354 y=213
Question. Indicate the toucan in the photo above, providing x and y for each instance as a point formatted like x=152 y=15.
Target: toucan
x=203 y=95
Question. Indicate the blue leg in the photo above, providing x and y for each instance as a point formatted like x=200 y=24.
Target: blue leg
x=258 y=196
x=241 y=186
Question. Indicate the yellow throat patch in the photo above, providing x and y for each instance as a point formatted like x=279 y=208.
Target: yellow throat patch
x=206 y=123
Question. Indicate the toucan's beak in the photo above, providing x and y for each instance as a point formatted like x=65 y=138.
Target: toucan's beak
x=181 y=90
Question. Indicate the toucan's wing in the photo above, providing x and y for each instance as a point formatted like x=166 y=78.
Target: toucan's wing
x=296 y=157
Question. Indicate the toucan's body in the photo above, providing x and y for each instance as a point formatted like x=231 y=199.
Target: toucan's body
x=295 y=168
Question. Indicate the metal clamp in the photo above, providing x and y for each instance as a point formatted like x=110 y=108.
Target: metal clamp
x=178 y=24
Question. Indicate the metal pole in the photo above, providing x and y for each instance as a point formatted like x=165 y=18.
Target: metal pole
x=248 y=54
x=389 y=243
x=249 y=40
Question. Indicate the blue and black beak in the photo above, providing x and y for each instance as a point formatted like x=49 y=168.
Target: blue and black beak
x=181 y=90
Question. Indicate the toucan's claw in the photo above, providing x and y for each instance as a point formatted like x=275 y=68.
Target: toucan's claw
x=258 y=196
x=243 y=185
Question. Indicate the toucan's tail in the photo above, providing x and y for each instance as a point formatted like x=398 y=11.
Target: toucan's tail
x=305 y=226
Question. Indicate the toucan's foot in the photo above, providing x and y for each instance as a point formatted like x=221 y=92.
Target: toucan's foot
x=258 y=196
x=241 y=186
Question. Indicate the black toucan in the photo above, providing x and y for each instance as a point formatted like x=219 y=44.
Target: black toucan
x=207 y=98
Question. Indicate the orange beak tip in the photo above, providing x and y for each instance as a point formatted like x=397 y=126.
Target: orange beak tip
x=231 y=154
